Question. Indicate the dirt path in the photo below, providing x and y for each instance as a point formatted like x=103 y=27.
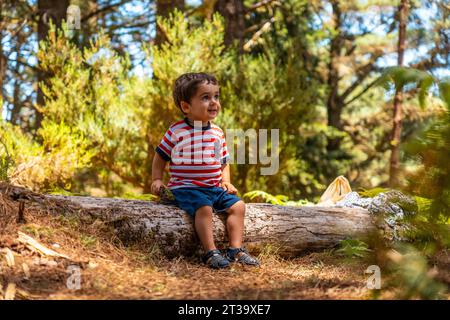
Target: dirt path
x=110 y=271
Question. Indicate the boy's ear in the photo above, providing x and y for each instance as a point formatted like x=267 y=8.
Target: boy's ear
x=184 y=106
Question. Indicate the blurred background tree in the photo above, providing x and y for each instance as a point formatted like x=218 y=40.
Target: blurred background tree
x=430 y=182
x=308 y=68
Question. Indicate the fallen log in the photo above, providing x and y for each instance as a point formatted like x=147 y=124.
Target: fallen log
x=289 y=230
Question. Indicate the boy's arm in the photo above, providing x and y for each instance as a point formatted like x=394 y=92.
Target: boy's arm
x=226 y=184
x=158 y=167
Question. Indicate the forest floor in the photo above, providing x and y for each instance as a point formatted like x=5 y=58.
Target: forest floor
x=109 y=270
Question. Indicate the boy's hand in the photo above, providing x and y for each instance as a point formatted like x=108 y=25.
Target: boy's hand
x=165 y=195
x=229 y=187
x=156 y=186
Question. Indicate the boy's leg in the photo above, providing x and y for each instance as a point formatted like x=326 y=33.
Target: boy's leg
x=235 y=224
x=235 y=228
x=197 y=203
x=204 y=227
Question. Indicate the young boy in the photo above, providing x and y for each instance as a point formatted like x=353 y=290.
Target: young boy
x=199 y=173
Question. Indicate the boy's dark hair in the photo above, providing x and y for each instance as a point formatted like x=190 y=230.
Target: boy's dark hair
x=187 y=84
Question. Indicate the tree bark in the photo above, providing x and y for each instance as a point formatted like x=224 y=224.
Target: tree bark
x=2 y=56
x=288 y=230
x=89 y=26
x=397 y=128
x=2 y=69
x=54 y=11
x=233 y=12
x=334 y=101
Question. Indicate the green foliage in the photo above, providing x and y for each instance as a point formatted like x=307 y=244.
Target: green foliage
x=6 y=163
x=317 y=166
x=89 y=95
x=88 y=241
x=429 y=228
x=413 y=276
x=271 y=87
x=430 y=182
x=424 y=204
x=298 y=203
x=106 y=118
x=62 y=192
x=115 y=118
x=444 y=90
x=432 y=147
x=351 y=248
x=41 y=166
x=430 y=234
x=16 y=148
x=110 y=118
x=370 y=193
x=38 y=231
x=134 y=196
x=261 y=196
x=403 y=76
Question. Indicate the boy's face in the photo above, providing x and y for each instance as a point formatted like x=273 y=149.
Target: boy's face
x=204 y=105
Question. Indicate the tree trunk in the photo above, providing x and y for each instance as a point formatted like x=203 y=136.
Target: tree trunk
x=397 y=128
x=334 y=102
x=163 y=9
x=88 y=26
x=233 y=12
x=289 y=230
x=54 y=11
x=2 y=70
x=2 y=56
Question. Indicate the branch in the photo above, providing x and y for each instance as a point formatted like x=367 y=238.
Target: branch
x=24 y=63
x=260 y=4
x=429 y=62
x=104 y=9
x=12 y=35
x=130 y=26
x=363 y=73
x=257 y=26
x=357 y=82
x=370 y=85
x=247 y=46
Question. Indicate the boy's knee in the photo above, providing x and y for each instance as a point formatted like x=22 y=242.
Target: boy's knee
x=205 y=210
x=238 y=207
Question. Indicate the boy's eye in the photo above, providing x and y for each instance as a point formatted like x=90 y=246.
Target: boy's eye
x=205 y=98
x=216 y=97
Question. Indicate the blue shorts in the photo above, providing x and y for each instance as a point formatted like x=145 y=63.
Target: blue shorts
x=192 y=198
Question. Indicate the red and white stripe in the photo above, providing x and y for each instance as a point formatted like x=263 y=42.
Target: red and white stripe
x=192 y=153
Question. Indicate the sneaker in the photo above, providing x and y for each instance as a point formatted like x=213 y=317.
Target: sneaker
x=214 y=259
x=241 y=255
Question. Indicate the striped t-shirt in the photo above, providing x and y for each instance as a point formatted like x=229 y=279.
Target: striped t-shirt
x=196 y=154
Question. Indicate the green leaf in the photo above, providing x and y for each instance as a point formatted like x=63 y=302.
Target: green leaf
x=425 y=85
x=353 y=248
x=444 y=90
